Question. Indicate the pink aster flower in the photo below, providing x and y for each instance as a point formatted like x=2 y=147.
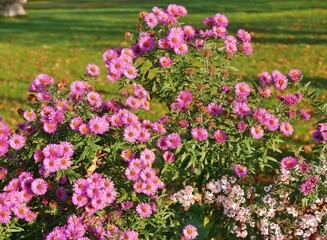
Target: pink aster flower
x=220 y=136
x=39 y=186
x=5 y=216
x=184 y=97
x=189 y=32
x=144 y=135
x=117 y=66
x=151 y=20
x=242 y=109
x=240 y=170
x=291 y=100
x=17 y=142
x=174 y=140
x=93 y=70
x=199 y=44
x=130 y=235
x=288 y=163
x=219 y=31
x=247 y=48
x=75 y=123
x=132 y=173
x=280 y=80
x=163 y=143
x=168 y=156
x=244 y=35
x=131 y=72
x=64 y=163
x=295 y=75
x=199 y=133
x=163 y=43
x=29 y=115
x=67 y=149
x=242 y=89
x=165 y=61
x=50 y=127
x=265 y=91
x=146 y=43
x=44 y=96
x=79 y=199
x=78 y=88
x=94 y=99
x=230 y=48
x=286 y=128
x=144 y=210
x=4 y=145
x=209 y=22
x=182 y=49
x=113 y=77
x=214 y=108
x=175 y=40
x=220 y=20
x=109 y=55
x=131 y=133
x=272 y=123
x=84 y=129
x=241 y=126
x=190 y=232
x=98 y=125
x=265 y=78
x=257 y=132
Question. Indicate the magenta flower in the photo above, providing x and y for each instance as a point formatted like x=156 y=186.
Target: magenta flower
x=241 y=126
x=147 y=155
x=272 y=123
x=244 y=35
x=98 y=125
x=199 y=133
x=241 y=109
x=78 y=88
x=61 y=194
x=182 y=49
x=247 y=48
x=240 y=170
x=280 y=80
x=109 y=55
x=94 y=99
x=117 y=66
x=17 y=142
x=75 y=123
x=286 y=128
x=144 y=210
x=5 y=216
x=174 y=140
x=288 y=163
x=165 y=61
x=242 y=89
x=93 y=70
x=219 y=31
x=39 y=186
x=291 y=100
x=29 y=115
x=294 y=74
x=79 y=199
x=131 y=72
x=163 y=143
x=189 y=32
x=151 y=20
x=214 y=108
x=184 y=98
x=265 y=78
x=168 y=156
x=146 y=43
x=190 y=232
x=304 y=114
x=131 y=134
x=257 y=132
x=220 y=136
x=220 y=20
x=199 y=44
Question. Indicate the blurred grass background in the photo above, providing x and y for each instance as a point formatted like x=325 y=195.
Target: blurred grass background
x=60 y=37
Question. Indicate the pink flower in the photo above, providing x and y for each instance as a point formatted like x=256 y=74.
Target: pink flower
x=209 y=22
x=61 y=194
x=199 y=44
x=151 y=20
x=17 y=142
x=265 y=78
x=131 y=134
x=244 y=35
x=30 y=115
x=131 y=72
x=241 y=126
x=242 y=89
x=230 y=48
x=98 y=125
x=190 y=232
x=109 y=55
x=184 y=98
x=272 y=123
x=295 y=74
x=280 y=80
x=146 y=43
x=67 y=149
x=257 y=132
x=288 y=163
x=117 y=66
x=305 y=115
x=163 y=143
x=165 y=61
x=199 y=133
x=163 y=43
x=175 y=40
x=181 y=49
x=291 y=100
x=189 y=31
x=50 y=127
x=147 y=155
x=286 y=128
x=240 y=170
x=174 y=140
x=168 y=156
x=39 y=186
x=5 y=216
x=220 y=136
x=75 y=123
x=94 y=99
x=247 y=48
x=79 y=199
x=214 y=108
x=241 y=109
x=220 y=20
x=144 y=210
x=78 y=88
x=93 y=70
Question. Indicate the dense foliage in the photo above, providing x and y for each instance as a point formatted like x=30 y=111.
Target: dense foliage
x=214 y=166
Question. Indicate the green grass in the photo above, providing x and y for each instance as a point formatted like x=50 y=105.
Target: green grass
x=61 y=37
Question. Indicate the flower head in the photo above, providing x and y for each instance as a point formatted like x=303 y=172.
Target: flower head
x=288 y=163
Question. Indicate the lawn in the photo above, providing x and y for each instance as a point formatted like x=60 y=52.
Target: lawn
x=61 y=37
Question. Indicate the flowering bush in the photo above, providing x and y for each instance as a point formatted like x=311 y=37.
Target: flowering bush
x=215 y=165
